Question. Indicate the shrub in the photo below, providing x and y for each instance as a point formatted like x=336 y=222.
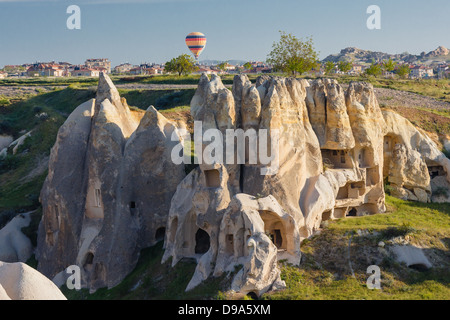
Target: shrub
x=10 y=162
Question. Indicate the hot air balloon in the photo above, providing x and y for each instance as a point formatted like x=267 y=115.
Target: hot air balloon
x=196 y=42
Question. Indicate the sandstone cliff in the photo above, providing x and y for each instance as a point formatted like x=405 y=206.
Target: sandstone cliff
x=310 y=151
x=108 y=190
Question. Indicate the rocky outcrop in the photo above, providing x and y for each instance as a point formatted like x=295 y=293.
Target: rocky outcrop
x=255 y=233
x=440 y=51
x=108 y=190
x=292 y=144
x=412 y=256
x=324 y=149
x=14 y=245
x=404 y=165
x=349 y=126
x=408 y=175
x=276 y=158
x=18 y=281
x=328 y=114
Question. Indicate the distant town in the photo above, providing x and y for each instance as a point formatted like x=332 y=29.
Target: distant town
x=93 y=67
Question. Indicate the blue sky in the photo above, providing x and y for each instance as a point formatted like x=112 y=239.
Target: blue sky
x=138 y=31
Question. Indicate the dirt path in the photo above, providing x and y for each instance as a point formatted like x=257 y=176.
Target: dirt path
x=15 y=92
x=395 y=98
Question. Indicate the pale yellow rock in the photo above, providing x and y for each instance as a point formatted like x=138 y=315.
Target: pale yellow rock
x=3 y=294
x=21 y=282
x=407 y=170
x=434 y=172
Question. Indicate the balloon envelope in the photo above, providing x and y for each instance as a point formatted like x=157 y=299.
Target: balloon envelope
x=196 y=42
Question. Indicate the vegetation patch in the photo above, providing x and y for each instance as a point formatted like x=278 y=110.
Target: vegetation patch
x=152 y=280
x=329 y=258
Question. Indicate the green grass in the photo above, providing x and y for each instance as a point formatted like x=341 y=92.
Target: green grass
x=433 y=217
x=160 y=99
x=325 y=273
x=49 y=81
x=438 y=89
x=174 y=79
x=43 y=114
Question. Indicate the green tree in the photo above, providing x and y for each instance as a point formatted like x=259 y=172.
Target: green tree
x=345 y=66
x=223 y=66
x=247 y=66
x=389 y=65
x=403 y=71
x=292 y=55
x=329 y=67
x=183 y=64
x=375 y=70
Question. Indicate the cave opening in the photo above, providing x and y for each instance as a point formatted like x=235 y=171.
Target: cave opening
x=202 y=241
x=160 y=234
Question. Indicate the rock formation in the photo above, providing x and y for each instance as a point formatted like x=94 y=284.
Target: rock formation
x=18 y=281
x=332 y=159
x=276 y=158
x=14 y=245
x=413 y=164
x=108 y=190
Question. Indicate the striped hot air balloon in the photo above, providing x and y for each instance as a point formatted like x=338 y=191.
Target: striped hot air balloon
x=196 y=42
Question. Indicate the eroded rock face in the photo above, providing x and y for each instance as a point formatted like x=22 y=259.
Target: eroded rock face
x=285 y=116
x=326 y=162
x=349 y=127
x=328 y=115
x=113 y=189
x=408 y=152
x=108 y=190
x=408 y=175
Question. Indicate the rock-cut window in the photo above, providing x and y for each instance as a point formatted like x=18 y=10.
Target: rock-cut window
x=97 y=198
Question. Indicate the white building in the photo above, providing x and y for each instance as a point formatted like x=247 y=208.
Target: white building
x=419 y=72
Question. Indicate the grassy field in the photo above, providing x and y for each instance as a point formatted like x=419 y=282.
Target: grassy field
x=160 y=99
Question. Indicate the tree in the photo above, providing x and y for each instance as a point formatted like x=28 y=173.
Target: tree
x=389 y=65
x=403 y=71
x=292 y=55
x=329 y=67
x=183 y=64
x=375 y=70
x=248 y=66
x=223 y=66
x=345 y=66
